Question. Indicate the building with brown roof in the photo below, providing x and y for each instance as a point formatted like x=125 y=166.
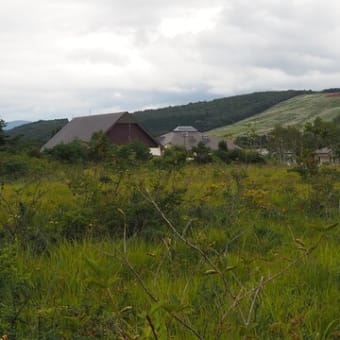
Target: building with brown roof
x=120 y=128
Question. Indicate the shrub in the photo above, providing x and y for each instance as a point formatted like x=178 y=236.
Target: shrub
x=134 y=151
x=74 y=152
x=201 y=153
x=173 y=158
x=251 y=157
x=243 y=156
x=223 y=155
x=13 y=168
x=100 y=147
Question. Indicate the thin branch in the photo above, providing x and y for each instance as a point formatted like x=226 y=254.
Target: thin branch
x=148 y=197
x=184 y=324
x=263 y=282
x=254 y=300
x=153 y=297
x=152 y=327
x=140 y=280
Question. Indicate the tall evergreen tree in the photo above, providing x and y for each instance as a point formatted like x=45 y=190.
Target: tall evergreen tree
x=2 y=134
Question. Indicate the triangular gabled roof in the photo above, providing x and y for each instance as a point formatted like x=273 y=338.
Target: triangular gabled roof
x=83 y=128
x=324 y=150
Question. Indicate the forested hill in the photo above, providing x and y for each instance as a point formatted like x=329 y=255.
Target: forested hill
x=207 y=115
x=38 y=132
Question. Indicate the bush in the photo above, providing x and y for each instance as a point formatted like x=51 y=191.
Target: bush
x=201 y=153
x=74 y=152
x=100 y=147
x=133 y=152
x=251 y=157
x=223 y=155
x=243 y=156
x=13 y=168
x=173 y=158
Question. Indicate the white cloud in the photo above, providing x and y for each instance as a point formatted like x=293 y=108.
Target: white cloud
x=66 y=57
x=194 y=21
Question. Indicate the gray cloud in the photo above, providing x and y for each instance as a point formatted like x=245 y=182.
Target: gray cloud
x=70 y=57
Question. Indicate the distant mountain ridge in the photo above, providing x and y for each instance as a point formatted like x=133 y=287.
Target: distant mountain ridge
x=15 y=123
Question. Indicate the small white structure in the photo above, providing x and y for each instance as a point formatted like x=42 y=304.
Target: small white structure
x=324 y=156
x=156 y=152
x=262 y=151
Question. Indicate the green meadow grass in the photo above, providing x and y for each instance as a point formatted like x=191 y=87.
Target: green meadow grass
x=252 y=260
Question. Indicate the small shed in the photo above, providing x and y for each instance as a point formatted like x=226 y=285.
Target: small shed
x=262 y=151
x=324 y=156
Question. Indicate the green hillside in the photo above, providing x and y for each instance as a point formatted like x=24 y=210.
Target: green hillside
x=212 y=114
x=295 y=111
x=204 y=115
x=38 y=132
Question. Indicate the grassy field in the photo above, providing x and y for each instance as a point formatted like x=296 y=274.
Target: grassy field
x=296 y=111
x=207 y=252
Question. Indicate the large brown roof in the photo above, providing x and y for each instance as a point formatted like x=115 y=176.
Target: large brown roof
x=82 y=128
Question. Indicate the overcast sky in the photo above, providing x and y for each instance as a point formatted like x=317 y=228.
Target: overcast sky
x=65 y=58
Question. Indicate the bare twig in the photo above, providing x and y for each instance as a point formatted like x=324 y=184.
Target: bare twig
x=140 y=280
x=153 y=297
x=255 y=290
x=254 y=300
x=148 y=197
x=152 y=327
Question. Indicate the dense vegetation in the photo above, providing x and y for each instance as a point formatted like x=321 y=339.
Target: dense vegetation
x=115 y=245
x=300 y=144
x=296 y=111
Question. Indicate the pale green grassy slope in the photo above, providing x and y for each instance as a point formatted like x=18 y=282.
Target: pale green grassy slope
x=295 y=111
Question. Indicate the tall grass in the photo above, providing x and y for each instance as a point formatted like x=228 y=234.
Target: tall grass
x=249 y=260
